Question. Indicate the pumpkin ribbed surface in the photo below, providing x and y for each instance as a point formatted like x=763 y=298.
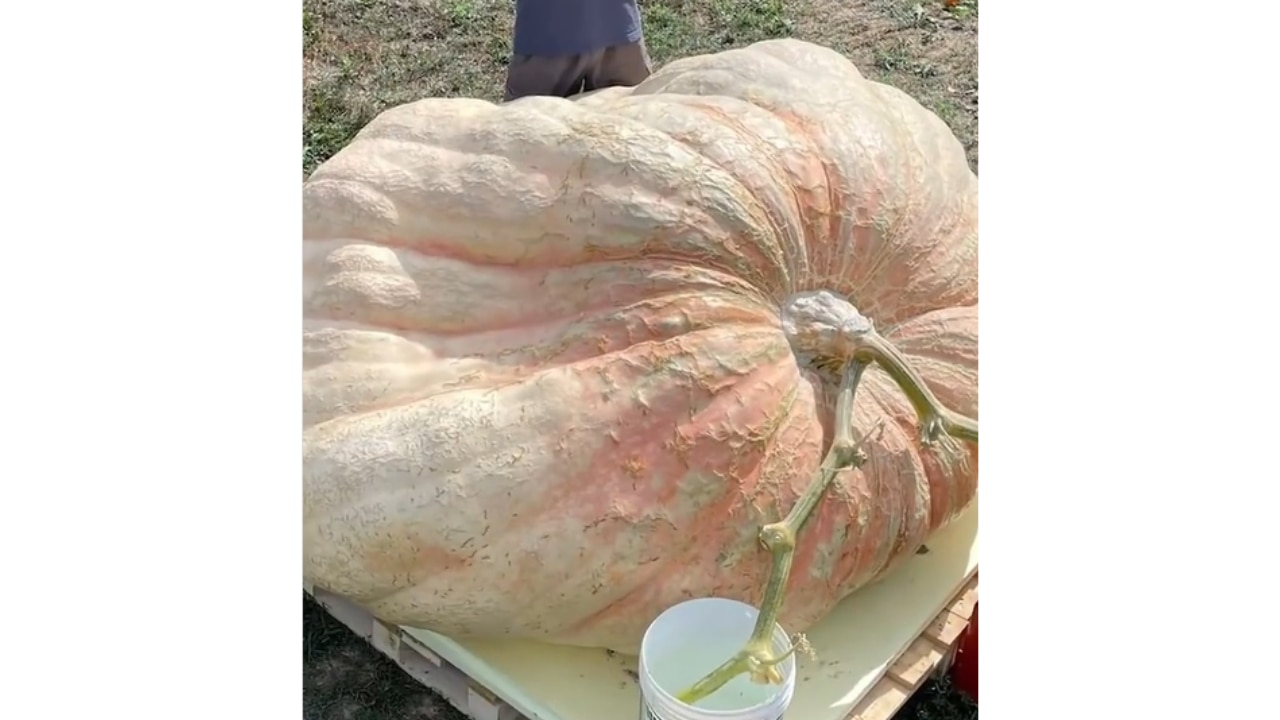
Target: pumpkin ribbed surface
x=548 y=390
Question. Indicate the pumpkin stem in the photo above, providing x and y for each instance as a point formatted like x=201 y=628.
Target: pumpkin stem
x=863 y=346
x=758 y=656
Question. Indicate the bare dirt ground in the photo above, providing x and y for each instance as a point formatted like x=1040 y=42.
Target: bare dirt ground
x=363 y=56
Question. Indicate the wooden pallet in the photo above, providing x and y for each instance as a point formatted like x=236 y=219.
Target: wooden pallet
x=422 y=664
x=930 y=653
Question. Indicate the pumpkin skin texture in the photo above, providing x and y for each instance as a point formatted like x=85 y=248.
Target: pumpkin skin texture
x=547 y=389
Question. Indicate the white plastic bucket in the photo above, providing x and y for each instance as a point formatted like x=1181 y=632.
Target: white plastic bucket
x=695 y=637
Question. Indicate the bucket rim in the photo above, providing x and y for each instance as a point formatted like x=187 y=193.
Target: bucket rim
x=779 y=700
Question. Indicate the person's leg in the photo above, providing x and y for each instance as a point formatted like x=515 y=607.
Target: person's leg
x=560 y=76
x=626 y=65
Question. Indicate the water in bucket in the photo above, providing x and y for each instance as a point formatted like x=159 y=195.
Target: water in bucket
x=685 y=666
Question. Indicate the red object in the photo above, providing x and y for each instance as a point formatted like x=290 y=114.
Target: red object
x=964 y=669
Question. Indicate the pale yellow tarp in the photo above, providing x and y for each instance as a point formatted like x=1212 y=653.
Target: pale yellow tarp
x=855 y=646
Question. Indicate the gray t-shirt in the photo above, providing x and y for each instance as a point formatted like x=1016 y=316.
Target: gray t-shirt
x=573 y=27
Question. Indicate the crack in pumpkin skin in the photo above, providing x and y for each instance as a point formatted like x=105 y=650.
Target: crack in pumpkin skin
x=542 y=345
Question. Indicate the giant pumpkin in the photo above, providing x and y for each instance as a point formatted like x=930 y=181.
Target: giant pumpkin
x=562 y=359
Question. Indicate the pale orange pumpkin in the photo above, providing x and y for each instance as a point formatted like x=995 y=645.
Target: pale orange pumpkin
x=548 y=387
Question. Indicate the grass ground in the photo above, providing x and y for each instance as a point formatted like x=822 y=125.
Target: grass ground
x=362 y=56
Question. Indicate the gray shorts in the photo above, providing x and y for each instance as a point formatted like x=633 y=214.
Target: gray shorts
x=568 y=75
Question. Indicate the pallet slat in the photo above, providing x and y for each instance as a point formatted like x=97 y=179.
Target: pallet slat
x=930 y=653
x=917 y=663
x=883 y=701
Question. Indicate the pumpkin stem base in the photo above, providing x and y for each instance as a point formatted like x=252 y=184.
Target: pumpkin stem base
x=825 y=329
